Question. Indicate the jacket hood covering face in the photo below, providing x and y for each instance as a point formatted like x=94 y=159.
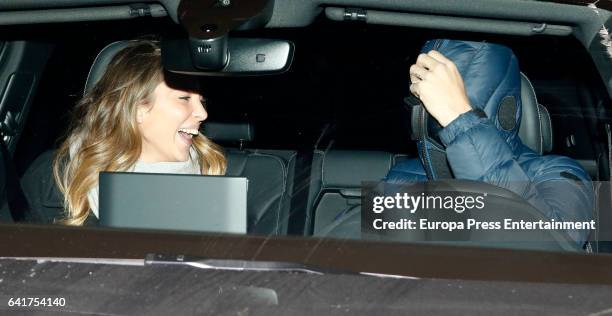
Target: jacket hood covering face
x=492 y=80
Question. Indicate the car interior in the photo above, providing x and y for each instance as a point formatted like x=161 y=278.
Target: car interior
x=309 y=135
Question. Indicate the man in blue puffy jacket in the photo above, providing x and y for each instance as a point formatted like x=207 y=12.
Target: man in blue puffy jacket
x=480 y=147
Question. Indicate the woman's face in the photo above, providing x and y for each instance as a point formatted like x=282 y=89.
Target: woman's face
x=168 y=123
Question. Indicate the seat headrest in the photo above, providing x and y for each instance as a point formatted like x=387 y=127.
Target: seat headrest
x=229 y=132
x=347 y=169
x=536 y=128
x=101 y=63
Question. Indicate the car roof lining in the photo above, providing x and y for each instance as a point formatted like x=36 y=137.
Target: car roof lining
x=300 y=13
x=586 y=22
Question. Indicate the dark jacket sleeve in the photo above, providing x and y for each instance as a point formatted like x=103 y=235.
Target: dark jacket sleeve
x=556 y=186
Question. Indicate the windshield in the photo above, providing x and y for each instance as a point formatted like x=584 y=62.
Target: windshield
x=346 y=144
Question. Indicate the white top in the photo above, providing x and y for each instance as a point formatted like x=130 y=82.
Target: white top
x=190 y=166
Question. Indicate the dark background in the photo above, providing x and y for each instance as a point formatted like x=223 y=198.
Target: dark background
x=347 y=79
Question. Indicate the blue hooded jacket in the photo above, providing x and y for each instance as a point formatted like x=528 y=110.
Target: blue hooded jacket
x=480 y=148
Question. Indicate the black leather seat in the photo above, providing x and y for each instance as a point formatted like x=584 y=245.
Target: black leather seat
x=270 y=175
x=536 y=127
x=336 y=179
x=536 y=130
x=45 y=200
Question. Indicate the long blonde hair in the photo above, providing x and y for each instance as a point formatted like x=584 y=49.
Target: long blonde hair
x=104 y=134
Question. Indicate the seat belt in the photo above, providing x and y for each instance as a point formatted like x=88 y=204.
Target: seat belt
x=298 y=214
x=431 y=151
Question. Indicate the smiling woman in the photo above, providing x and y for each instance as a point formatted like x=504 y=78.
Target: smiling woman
x=168 y=122
x=132 y=120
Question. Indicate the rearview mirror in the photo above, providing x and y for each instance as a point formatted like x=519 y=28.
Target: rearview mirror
x=224 y=56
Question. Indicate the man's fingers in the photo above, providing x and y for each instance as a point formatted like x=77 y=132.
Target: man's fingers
x=418 y=71
x=439 y=57
x=442 y=59
x=426 y=61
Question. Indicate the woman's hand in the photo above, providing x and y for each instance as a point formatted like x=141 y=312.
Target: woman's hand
x=438 y=83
